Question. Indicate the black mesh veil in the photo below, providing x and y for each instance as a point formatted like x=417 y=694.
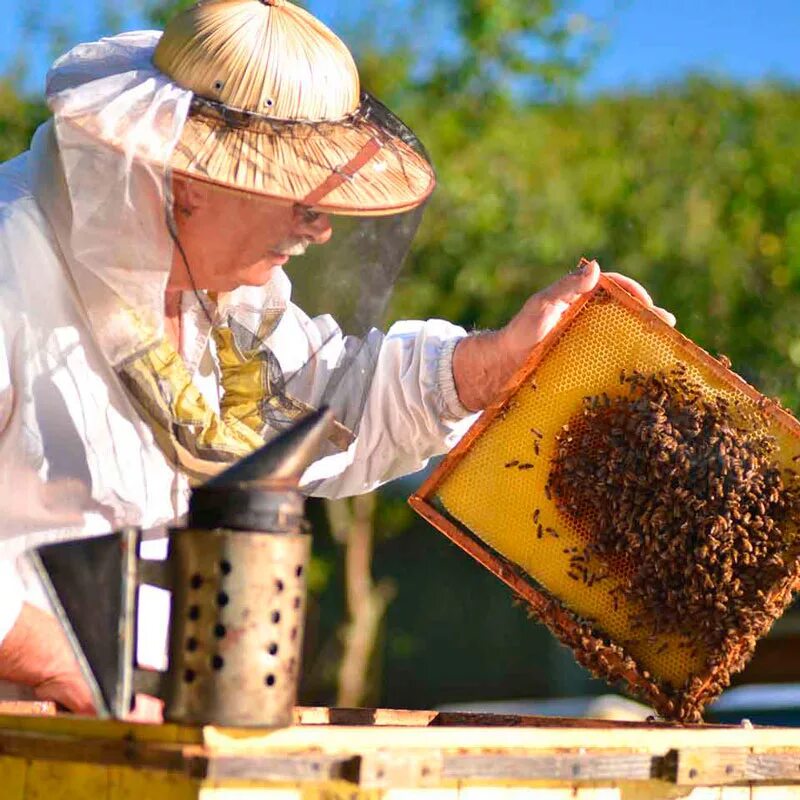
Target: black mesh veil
x=339 y=291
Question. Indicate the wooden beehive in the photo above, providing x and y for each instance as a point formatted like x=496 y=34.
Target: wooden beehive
x=381 y=754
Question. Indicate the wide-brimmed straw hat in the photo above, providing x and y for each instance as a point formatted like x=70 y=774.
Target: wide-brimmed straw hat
x=278 y=112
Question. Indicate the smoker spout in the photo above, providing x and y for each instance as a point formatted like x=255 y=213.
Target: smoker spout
x=284 y=458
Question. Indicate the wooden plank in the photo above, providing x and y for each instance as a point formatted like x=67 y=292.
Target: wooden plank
x=518 y=793
x=644 y=738
x=455 y=719
x=773 y=767
x=187 y=760
x=398 y=768
x=722 y=766
x=311 y=768
x=92 y=728
x=321 y=715
x=705 y=766
x=39 y=708
x=573 y=767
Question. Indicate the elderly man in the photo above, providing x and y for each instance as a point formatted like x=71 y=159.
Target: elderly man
x=148 y=333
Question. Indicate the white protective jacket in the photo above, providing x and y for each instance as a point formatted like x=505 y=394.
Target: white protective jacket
x=75 y=458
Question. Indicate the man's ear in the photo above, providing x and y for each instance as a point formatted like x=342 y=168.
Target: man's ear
x=187 y=194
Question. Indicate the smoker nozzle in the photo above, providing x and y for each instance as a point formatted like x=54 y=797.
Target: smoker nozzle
x=284 y=459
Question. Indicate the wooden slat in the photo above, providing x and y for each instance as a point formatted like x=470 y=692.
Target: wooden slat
x=188 y=760
x=92 y=728
x=355 y=739
x=773 y=767
x=38 y=708
x=292 y=768
x=573 y=767
x=462 y=719
x=705 y=766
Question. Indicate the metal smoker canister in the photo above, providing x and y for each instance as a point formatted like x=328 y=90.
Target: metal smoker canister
x=238 y=578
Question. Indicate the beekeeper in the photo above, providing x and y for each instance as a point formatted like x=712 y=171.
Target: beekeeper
x=150 y=333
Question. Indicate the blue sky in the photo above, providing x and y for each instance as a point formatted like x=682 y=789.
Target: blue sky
x=648 y=41
x=657 y=40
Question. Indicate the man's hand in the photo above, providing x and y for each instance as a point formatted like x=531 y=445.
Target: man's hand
x=36 y=653
x=483 y=364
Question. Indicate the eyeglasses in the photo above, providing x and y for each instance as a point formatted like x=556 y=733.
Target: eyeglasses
x=307 y=214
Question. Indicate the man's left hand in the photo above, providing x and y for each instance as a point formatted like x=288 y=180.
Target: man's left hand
x=483 y=364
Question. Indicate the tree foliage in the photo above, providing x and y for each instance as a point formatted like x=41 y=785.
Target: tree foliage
x=690 y=190
x=19 y=118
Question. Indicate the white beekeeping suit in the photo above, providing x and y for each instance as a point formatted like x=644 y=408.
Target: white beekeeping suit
x=92 y=435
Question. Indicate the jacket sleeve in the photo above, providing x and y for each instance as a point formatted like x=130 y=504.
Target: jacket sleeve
x=12 y=591
x=412 y=412
x=12 y=595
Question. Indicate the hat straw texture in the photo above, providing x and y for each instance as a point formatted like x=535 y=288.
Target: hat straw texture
x=278 y=111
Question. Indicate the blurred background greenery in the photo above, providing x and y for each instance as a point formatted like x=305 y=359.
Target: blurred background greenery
x=690 y=187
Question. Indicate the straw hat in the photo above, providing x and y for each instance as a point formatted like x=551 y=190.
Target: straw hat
x=278 y=111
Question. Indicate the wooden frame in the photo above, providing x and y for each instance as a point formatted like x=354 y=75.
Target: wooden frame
x=609 y=662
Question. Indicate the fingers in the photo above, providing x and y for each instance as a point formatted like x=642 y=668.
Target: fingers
x=69 y=691
x=640 y=293
x=632 y=287
x=147 y=709
x=569 y=288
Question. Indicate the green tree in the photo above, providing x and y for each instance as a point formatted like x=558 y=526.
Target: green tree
x=19 y=118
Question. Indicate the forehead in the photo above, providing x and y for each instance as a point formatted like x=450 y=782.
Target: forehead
x=225 y=197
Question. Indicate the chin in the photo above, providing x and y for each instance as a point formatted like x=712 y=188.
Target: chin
x=256 y=275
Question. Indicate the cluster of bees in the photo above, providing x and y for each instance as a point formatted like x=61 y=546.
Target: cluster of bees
x=685 y=489
x=609 y=660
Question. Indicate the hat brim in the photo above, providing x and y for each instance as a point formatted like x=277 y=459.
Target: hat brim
x=351 y=167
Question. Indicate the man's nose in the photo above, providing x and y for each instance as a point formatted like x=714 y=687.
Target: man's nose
x=313 y=225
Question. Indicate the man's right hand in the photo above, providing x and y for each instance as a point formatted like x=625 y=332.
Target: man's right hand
x=36 y=653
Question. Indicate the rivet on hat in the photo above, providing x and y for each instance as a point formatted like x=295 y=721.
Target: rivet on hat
x=272 y=2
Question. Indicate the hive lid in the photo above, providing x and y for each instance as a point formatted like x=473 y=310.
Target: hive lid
x=491 y=497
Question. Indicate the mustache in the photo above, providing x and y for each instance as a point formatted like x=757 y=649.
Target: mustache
x=292 y=247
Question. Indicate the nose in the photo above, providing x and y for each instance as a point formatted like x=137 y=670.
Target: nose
x=313 y=225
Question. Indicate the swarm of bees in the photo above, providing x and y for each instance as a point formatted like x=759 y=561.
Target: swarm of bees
x=686 y=488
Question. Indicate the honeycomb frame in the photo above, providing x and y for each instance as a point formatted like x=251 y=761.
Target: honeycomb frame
x=601 y=652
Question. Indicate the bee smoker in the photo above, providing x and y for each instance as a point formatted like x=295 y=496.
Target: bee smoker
x=236 y=575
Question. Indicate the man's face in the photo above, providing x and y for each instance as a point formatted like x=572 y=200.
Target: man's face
x=231 y=239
